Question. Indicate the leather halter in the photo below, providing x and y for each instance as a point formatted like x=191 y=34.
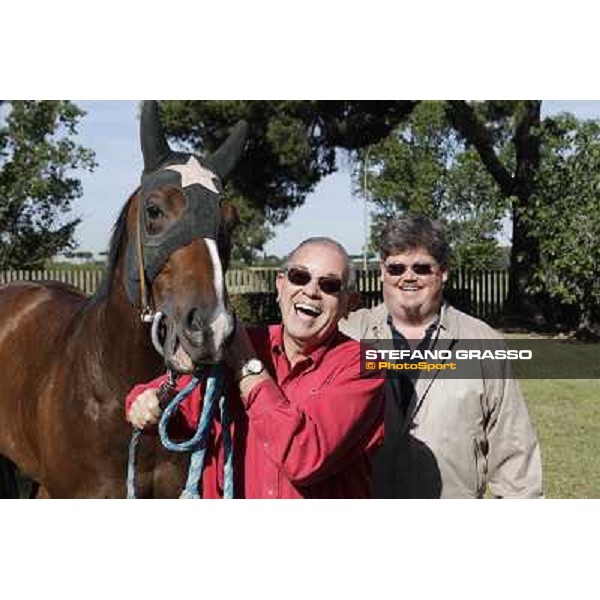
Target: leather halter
x=147 y=312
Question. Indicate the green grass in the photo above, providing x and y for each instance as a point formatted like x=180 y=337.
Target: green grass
x=566 y=415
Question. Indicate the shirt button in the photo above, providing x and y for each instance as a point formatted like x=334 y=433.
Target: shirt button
x=265 y=445
x=270 y=492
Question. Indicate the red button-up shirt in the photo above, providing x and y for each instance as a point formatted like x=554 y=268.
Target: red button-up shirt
x=307 y=433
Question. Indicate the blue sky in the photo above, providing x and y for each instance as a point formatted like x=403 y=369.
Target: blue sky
x=110 y=128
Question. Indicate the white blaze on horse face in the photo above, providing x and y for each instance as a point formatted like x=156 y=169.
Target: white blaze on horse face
x=221 y=323
x=193 y=172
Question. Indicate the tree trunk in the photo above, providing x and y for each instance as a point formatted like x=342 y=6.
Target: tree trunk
x=585 y=329
x=524 y=254
x=518 y=187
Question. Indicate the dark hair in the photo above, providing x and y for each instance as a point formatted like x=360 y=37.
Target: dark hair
x=416 y=231
x=349 y=274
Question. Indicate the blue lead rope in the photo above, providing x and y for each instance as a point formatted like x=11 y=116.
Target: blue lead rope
x=197 y=443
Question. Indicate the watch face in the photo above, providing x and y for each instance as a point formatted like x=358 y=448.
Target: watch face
x=254 y=366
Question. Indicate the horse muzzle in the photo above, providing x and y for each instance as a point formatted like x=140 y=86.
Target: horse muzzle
x=197 y=341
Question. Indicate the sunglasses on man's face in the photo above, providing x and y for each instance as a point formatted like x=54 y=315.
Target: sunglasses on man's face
x=398 y=269
x=327 y=284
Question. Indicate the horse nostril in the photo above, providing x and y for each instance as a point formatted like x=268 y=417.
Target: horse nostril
x=192 y=321
x=195 y=320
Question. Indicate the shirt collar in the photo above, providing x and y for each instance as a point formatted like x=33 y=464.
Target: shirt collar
x=312 y=358
x=431 y=328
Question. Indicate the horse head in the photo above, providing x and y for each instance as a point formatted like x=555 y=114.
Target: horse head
x=178 y=245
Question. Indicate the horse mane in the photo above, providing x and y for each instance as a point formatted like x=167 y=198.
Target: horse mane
x=114 y=250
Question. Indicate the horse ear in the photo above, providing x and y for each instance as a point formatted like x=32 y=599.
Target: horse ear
x=226 y=157
x=154 y=143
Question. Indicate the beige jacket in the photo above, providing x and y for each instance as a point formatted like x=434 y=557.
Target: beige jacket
x=466 y=435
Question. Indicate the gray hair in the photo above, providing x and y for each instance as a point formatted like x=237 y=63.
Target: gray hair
x=349 y=274
x=415 y=231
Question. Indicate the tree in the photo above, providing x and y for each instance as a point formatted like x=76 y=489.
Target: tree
x=37 y=152
x=292 y=147
x=505 y=157
x=565 y=217
x=506 y=135
x=423 y=167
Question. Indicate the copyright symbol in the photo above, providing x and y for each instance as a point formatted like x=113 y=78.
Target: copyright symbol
x=370 y=365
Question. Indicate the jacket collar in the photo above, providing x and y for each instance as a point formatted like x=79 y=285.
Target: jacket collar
x=447 y=325
x=380 y=330
x=448 y=322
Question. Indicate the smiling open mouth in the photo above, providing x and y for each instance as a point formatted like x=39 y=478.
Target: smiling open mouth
x=307 y=309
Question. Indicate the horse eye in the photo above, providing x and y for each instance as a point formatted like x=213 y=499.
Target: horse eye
x=154 y=212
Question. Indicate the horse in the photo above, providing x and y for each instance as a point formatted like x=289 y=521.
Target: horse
x=68 y=360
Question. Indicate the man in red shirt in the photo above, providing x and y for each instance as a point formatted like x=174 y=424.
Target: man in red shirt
x=304 y=420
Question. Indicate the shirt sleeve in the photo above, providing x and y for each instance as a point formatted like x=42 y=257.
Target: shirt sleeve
x=514 y=462
x=138 y=389
x=318 y=435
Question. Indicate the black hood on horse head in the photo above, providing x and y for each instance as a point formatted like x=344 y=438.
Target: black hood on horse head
x=201 y=182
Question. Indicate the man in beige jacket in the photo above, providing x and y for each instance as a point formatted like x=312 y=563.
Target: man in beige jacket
x=444 y=437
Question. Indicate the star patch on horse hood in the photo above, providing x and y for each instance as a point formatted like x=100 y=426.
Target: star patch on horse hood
x=201 y=189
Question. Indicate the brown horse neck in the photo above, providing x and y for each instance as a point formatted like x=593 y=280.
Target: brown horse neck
x=122 y=340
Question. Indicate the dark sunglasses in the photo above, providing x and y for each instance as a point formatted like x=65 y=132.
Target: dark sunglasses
x=398 y=269
x=327 y=284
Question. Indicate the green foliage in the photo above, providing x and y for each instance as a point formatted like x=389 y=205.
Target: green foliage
x=252 y=233
x=37 y=153
x=264 y=260
x=292 y=146
x=565 y=214
x=474 y=214
x=256 y=308
x=423 y=167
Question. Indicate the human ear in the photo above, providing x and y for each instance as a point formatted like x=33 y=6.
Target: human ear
x=279 y=281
